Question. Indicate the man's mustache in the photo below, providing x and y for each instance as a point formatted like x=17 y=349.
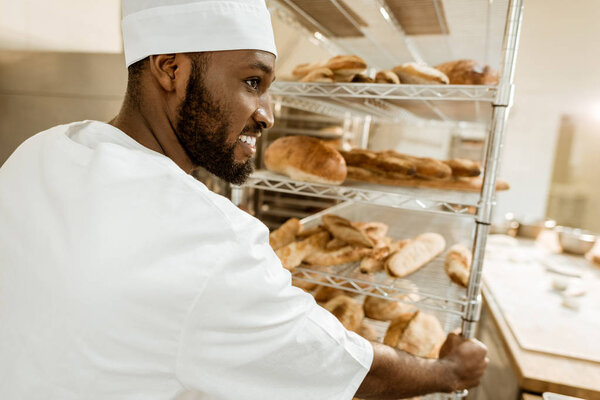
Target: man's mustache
x=256 y=129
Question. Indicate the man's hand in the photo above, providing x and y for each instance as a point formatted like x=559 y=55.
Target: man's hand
x=466 y=361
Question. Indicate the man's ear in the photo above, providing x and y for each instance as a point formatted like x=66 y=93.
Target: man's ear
x=163 y=68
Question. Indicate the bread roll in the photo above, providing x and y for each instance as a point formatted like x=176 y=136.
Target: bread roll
x=415 y=254
x=285 y=234
x=420 y=74
x=347 y=310
x=335 y=244
x=302 y=70
x=326 y=293
x=387 y=310
x=294 y=253
x=468 y=72
x=458 y=264
x=304 y=233
x=462 y=167
x=319 y=75
x=343 y=229
x=367 y=332
x=387 y=77
x=346 y=65
x=306 y=159
x=305 y=285
x=417 y=333
x=336 y=257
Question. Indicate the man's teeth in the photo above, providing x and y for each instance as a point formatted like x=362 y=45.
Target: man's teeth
x=248 y=139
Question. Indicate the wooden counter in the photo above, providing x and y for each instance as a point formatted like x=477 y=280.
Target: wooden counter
x=535 y=371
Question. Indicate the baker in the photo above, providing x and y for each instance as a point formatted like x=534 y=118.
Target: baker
x=122 y=277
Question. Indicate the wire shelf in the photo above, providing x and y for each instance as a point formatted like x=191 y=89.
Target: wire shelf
x=450 y=202
x=434 y=290
x=385 y=91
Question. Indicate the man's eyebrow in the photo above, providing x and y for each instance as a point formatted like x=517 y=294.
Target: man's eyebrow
x=263 y=67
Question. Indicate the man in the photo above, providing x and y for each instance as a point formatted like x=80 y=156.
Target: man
x=122 y=277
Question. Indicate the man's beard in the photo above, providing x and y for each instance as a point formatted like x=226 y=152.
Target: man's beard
x=202 y=129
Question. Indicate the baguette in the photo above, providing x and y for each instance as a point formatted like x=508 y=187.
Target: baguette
x=294 y=253
x=387 y=310
x=342 y=229
x=462 y=167
x=417 y=333
x=458 y=264
x=415 y=254
x=285 y=234
x=336 y=257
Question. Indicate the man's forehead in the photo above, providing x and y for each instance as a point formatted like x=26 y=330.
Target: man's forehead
x=256 y=59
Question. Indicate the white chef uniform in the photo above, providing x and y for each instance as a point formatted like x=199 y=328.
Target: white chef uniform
x=122 y=277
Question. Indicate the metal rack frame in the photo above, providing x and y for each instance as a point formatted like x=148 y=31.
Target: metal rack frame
x=373 y=100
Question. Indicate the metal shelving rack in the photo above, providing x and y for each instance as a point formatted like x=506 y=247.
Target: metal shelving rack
x=447 y=211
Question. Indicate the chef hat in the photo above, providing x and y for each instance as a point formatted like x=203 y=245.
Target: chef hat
x=182 y=26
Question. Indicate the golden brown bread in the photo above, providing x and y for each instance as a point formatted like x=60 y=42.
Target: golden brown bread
x=417 y=333
x=285 y=234
x=387 y=77
x=367 y=331
x=384 y=161
x=306 y=159
x=375 y=231
x=457 y=264
x=335 y=244
x=387 y=310
x=346 y=65
x=415 y=254
x=342 y=229
x=319 y=75
x=425 y=168
x=461 y=167
x=468 y=72
x=326 y=293
x=294 y=253
x=306 y=285
x=336 y=257
x=420 y=74
x=347 y=310
x=304 y=69
x=466 y=184
x=304 y=233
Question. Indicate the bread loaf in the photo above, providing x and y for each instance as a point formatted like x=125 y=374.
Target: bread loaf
x=347 y=310
x=285 y=234
x=417 y=333
x=462 y=167
x=346 y=65
x=415 y=254
x=383 y=162
x=457 y=264
x=387 y=77
x=468 y=72
x=306 y=159
x=336 y=257
x=419 y=74
x=387 y=310
x=319 y=75
x=343 y=229
x=294 y=253
x=302 y=70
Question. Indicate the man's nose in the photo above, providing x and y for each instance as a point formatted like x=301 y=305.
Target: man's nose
x=264 y=113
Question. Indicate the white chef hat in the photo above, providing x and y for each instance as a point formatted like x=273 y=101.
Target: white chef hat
x=183 y=26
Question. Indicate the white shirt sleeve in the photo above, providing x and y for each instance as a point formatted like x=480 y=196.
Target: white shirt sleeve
x=251 y=335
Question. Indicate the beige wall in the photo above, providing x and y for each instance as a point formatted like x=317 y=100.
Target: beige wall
x=40 y=90
x=64 y=25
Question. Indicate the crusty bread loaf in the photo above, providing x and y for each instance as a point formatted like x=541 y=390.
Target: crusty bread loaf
x=306 y=159
x=302 y=70
x=466 y=184
x=343 y=229
x=346 y=65
x=387 y=310
x=462 y=167
x=415 y=254
x=387 y=77
x=417 y=333
x=319 y=75
x=458 y=264
x=336 y=257
x=347 y=310
x=294 y=253
x=419 y=74
x=383 y=162
x=468 y=72
x=285 y=234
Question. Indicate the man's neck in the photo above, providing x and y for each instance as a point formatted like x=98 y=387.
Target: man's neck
x=152 y=129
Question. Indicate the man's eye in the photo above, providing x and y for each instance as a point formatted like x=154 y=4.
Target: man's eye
x=254 y=83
